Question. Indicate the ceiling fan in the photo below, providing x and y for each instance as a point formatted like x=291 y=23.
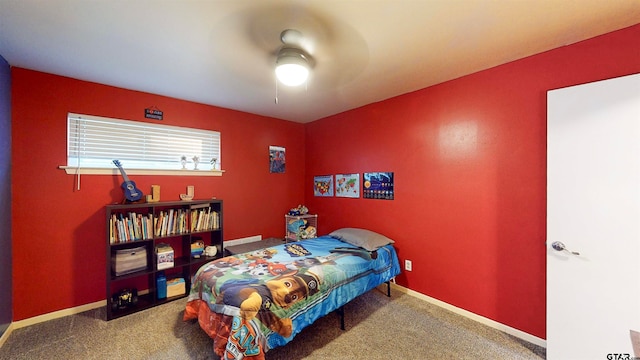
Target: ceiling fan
x=293 y=63
x=333 y=52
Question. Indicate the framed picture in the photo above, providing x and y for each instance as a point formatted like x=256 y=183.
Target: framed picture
x=276 y=159
x=348 y=185
x=323 y=185
x=378 y=185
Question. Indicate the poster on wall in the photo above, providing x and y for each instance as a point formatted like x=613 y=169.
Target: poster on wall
x=378 y=185
x=348 y=185
x=276 y=159
x=323 y=185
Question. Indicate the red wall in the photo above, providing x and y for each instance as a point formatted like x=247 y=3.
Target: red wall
x=59 y=233
x=469 y=158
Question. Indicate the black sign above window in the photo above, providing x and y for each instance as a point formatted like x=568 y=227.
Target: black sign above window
x=153 y=113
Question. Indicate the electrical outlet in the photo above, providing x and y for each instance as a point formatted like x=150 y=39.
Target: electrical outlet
x=407 y=265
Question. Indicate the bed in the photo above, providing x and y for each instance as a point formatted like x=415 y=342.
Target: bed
x=252 y=302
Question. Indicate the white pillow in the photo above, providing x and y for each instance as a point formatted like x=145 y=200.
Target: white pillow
x=366 y=239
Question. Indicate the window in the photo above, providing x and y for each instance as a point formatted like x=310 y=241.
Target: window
x=94 y=142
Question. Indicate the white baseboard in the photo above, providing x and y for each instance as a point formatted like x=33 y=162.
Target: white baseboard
x=58 y=314
x=5 y=334
x=243 y=240
x=97 y=304
x=50 y=316
x=481 y=319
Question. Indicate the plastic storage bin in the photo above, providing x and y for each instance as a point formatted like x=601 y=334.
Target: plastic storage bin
x=300 y=227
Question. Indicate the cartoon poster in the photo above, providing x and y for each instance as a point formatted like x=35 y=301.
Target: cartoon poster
x=348 y=185
x=323 y=185
x=378 y=185
x=276 y=159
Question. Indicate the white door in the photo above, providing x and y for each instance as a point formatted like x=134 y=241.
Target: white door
x=593 y=209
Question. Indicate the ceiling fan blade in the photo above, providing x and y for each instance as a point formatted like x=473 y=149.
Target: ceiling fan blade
x=255 y=33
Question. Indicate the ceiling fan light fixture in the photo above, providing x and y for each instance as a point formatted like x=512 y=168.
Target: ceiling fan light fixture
x=292 y=67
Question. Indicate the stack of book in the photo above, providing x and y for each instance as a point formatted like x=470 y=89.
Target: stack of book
x=130 y=227
x=204 y=219
x=171 y=222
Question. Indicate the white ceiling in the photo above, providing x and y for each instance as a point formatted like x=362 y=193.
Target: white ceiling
x=222 y=53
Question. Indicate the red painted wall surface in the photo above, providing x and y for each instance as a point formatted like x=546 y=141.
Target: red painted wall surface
x=59 y=233
x=469 y=158
x=468 y=155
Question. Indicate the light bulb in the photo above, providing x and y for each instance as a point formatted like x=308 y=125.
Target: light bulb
x=292 y=74
x=292 y=68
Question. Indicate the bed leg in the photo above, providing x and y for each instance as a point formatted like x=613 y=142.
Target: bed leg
x=340 y=312
x=388 y=288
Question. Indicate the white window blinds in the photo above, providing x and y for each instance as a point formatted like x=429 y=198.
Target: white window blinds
x=94 y=142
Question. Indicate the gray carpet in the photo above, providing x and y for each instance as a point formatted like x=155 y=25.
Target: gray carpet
x=377 y=327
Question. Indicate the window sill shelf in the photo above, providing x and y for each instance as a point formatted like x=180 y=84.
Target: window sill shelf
x=115 y=171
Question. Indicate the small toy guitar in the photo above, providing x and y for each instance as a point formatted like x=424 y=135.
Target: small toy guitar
x=131 y=192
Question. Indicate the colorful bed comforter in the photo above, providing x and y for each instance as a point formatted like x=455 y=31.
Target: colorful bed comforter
x=252 y=302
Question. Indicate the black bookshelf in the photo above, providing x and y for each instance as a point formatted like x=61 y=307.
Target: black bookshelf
x=126 y=231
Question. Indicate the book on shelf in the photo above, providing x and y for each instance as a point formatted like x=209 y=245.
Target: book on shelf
x=171 y=222
x=157 y=224
x=200 y=206
x=204 y=219
x=128 y=227
x=131 y=226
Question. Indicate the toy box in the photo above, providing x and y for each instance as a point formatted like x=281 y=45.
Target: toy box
x=176 y=287
x=164 y=256
x=126 y=261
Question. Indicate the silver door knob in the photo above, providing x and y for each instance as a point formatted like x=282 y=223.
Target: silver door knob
x=559 y=246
